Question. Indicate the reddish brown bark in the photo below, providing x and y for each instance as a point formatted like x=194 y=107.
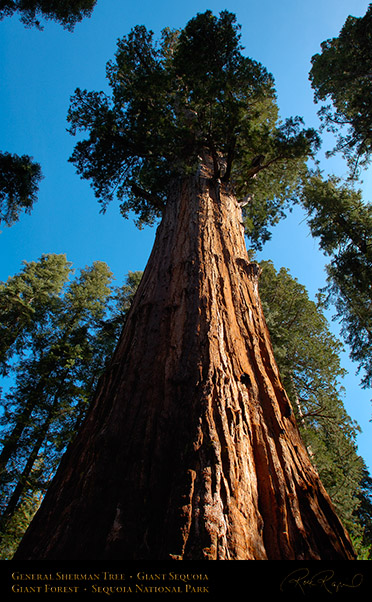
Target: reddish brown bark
x=190 y=449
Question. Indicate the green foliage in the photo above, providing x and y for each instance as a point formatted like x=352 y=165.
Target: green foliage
x=65 y=12
x=311 y=373
x=26 y=299
x=58 y=337
x=18 y=524
x=343 y=224
x=364 y=514
x=173 y=101
x=52 y=368
x=19 y=182
x=125 y=295
x=341 y=74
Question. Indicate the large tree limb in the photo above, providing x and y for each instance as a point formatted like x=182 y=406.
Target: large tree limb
x=150 y=197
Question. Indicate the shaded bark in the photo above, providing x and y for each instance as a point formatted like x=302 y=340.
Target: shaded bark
x=190 y=449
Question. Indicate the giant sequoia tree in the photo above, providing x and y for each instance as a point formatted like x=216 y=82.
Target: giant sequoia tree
x=190 y=449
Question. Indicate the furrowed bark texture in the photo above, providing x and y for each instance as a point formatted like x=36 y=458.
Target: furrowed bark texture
x=190 y=449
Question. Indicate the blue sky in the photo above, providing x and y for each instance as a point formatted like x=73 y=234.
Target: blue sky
x=39 y=71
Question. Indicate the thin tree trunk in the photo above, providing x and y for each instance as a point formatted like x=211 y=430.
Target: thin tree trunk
x=22 y=483
x=301 y=414
x=12 y=440
x=190 y=449
x=41 y=432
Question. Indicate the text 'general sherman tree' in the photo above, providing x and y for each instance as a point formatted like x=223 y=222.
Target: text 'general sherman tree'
x=190 y=449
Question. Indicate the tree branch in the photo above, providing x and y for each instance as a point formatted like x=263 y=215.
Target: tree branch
x=255 y=170
x=151 y=198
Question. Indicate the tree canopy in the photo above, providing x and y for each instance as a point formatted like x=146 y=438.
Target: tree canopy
x=338 y=214
x=341 y=74
x=25 y=299
x=19 y=185
x=342 y=221
x=65 y=12
x=166 y=110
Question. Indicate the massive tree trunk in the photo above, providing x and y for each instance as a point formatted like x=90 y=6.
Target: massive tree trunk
x=190 y=449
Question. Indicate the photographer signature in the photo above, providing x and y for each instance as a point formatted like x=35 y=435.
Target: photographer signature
x=303 y=579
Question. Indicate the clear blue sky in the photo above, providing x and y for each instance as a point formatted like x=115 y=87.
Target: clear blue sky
x=39 y=71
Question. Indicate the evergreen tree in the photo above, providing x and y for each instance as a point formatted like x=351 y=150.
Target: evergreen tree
x=19 y=522
x=311 y=372
x=65 y=12
x=341 y=74
x=190 y=449
x=19 y=182
x=73 y=334
x=53 y=372
x=338 y=214
x=343 y=223
x=26 y=299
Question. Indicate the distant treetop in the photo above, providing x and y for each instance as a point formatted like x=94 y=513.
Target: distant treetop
x=19 y=185
x=65 y=12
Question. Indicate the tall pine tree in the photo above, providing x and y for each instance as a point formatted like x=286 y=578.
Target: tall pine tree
x=342 y=221
x=54 y=330
x=57 y=337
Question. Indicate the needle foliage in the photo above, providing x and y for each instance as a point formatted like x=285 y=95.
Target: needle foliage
x=174 y=99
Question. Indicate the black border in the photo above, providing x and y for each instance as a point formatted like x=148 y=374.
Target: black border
x=205 y=580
